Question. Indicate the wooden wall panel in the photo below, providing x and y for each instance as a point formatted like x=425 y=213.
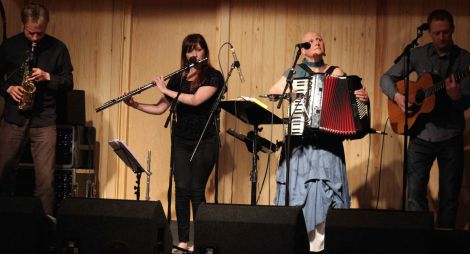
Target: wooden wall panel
x=119 y=45
x=13 y=25
x=95 y=33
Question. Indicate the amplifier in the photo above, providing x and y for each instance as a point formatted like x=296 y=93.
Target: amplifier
x=67 y=183
x=74 y=183
x=75 y=148
x=84 y=183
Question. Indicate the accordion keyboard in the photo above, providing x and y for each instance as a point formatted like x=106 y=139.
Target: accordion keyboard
x=298 y=107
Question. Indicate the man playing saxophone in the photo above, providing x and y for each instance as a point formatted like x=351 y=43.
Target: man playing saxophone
x=32 y=58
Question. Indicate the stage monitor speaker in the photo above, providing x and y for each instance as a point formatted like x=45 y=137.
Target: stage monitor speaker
x=377 y=231
x=92 y=225
x=446 y=240
x=227 y=229
x=23 y=226
x=71 y=107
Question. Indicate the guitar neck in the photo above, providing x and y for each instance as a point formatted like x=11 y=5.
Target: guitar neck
x=441 y=85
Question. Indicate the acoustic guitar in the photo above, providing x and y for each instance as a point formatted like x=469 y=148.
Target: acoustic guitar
x=421 y=99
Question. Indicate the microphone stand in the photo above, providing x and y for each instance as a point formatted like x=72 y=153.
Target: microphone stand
x=172 y=109
x=215 y=106
x=137 y=185
x=289 y=128
x=406 y=71
x=171 y=116
x=149 y=159
x=216 y=167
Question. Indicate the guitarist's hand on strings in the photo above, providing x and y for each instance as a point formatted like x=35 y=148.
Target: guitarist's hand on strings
x=453 y=88
x=400 y=101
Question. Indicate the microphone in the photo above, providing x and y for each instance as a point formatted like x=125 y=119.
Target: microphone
x=270 y=96
x=279 y=96
x=236 y=63
x=303 y=45
x=423 y=27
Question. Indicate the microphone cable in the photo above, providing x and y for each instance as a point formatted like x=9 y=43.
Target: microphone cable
x=380 y=165
x=4 y=21
x=268 y=163
x=234 y=141
x=218 y=57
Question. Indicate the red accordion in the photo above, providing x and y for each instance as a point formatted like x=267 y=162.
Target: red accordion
x=329 y=105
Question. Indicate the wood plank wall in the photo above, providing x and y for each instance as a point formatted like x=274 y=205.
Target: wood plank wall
x=119 y=45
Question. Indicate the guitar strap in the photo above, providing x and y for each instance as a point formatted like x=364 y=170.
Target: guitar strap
x=441 y=96
x=452 y=56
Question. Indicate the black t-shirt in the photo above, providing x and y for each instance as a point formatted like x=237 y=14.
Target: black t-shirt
x=190 y=120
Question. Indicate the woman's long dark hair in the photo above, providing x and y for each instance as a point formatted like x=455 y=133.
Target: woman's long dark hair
x=189 y=43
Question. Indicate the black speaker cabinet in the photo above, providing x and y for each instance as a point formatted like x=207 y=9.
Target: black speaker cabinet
x=23 y=226
x=93 y=225
x=70 y=107
x=227 y=229
x=451 y=241
x=378 y=231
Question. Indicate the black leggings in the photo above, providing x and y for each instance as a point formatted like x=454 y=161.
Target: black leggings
x=191 y=178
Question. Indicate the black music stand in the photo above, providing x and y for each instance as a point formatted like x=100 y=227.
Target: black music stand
x=264 y=145
x=253 y=114
x=129 y=159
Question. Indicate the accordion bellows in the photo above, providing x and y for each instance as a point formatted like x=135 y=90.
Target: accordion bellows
x=329 y=105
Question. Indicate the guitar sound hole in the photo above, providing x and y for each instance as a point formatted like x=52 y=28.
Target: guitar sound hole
x=414 y=108
x=420 y=96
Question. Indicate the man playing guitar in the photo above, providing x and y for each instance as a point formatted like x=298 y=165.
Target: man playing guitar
x=438 y=132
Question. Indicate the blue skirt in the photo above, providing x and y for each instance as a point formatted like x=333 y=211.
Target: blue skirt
x=317 y=181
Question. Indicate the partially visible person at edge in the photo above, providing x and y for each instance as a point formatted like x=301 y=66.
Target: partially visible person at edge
x=199 y=89
x=52 y=74
x=439 y=134
x=318 y=179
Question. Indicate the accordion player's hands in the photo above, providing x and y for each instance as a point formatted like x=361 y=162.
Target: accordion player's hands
x=362 y=95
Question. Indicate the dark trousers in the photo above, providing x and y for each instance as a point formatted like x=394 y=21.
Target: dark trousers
x=449 y=154
x=43 y=143
x=191 y=178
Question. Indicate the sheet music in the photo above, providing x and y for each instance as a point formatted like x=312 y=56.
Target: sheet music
x=254 y=100
x=121 y=149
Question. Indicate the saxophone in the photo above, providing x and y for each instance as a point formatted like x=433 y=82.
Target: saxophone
x=29 y=87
